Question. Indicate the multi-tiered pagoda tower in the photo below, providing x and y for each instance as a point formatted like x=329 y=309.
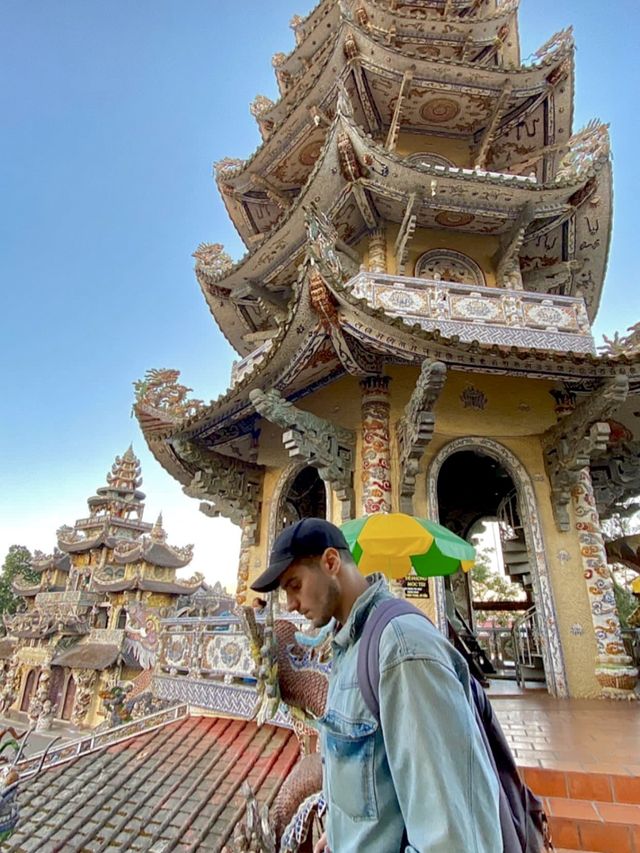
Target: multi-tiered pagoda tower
x=427 y=237
x=93 y=619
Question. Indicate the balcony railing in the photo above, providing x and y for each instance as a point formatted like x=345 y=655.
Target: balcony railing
x=489 y=315
x=76 y=599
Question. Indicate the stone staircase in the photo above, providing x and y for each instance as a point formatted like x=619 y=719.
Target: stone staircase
x=594 y=812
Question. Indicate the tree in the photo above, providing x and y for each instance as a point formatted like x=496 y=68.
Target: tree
x=17 y=562
x=490 y=585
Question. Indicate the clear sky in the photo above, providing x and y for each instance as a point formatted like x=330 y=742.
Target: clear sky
x=111 y=115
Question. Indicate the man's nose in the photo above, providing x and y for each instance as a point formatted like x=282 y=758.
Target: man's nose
x=292 y=604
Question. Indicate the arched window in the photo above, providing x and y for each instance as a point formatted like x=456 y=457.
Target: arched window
x=122 y=619
x=447 y=265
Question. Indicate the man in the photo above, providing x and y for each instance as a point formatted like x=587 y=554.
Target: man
x=421 y=781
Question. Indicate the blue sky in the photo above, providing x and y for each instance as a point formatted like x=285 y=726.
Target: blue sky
x=112 y=114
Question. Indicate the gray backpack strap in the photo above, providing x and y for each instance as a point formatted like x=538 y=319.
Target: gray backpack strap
x=369 y=648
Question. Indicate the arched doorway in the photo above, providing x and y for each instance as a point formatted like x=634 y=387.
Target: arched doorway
x=472 y=479
x=69 y=699
x=56 y=689
x=29 y=687
x=299 y=494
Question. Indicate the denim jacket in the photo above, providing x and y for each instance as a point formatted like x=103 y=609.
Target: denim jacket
x=428 y=775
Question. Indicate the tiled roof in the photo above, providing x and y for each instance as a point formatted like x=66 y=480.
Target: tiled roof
x=88 y=656
x=173 y=789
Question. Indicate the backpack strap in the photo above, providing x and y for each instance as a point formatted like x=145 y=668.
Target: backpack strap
x=368 y=667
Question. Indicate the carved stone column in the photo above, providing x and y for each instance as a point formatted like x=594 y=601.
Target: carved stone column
x=85 y=680
x=377 y=250
x=246 y=541
x=376 y=453
x=614 y=668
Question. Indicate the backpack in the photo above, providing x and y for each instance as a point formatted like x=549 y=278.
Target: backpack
x=523 y=822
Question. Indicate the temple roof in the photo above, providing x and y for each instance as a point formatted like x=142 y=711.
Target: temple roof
x=357 y=182
x=59 y=561
x=205 y=758
x=88 y=655
x=445 y=97
x=109 y=581
x=304 y=356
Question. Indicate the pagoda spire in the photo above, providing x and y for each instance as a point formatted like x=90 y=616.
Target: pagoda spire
x=158 y=533
x=121 y=496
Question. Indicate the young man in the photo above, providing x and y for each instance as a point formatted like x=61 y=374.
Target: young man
x=421 y=781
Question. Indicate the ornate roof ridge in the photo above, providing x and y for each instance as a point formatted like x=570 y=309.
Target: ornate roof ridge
x=551 y=57
x=563 y=50
x=239 y=167
x=507 y=7
x=487 y=175
x=286 y=215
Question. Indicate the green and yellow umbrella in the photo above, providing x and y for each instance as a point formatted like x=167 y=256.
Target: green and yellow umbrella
x=394 y=543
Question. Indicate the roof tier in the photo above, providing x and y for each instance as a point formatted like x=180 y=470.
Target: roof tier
x=443 y=98
x=360 y=184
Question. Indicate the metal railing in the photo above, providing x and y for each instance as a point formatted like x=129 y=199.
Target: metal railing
x=497 y=644
x=83 y=746
x=527 y=644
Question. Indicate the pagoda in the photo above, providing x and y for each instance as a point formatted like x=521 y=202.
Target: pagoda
x=93 y=619
x=426 y=243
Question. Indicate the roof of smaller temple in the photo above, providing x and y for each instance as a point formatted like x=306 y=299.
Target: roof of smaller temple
x=179 y=785
x=88 y=656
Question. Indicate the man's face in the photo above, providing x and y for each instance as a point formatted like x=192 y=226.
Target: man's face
x=312 y=590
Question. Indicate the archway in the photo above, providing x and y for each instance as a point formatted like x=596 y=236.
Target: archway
x=69 y=699
x=29 y=687
x=56 y=689
x=488 y=481
x=300 y=493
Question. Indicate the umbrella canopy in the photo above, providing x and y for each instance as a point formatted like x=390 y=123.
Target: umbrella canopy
x=394 y=543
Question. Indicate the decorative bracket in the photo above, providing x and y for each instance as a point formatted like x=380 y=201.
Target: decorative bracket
x=569 y=444
x=415 y=428
x=407 y=229
x=506 y=258
x=227 y=486
x=322 y=444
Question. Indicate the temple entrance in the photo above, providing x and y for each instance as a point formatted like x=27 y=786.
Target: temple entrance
x=69 y=699
x=491 y=612
x=304 y=495
x=56 y=689
x=29 y=687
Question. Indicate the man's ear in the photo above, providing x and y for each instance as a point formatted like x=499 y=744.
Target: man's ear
x=331 y=561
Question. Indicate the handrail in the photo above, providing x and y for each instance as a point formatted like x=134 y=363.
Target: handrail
x=98 y=740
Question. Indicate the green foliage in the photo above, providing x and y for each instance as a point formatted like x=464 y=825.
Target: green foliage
x=488 y=585
x=625 y=602
x=17 y=562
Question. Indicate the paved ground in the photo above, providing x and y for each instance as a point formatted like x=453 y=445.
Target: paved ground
x=572 y=734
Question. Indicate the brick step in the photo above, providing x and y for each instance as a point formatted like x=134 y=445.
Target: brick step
x=602 y=827
x=580 y=785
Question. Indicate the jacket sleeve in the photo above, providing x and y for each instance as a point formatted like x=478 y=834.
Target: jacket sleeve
x=446 y=788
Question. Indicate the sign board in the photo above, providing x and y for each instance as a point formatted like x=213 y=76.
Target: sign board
x=415 y=587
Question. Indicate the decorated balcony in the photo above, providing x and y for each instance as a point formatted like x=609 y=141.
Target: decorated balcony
x=208 y=662
x=489 y=315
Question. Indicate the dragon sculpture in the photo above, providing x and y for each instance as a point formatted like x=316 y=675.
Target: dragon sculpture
x=291 y=667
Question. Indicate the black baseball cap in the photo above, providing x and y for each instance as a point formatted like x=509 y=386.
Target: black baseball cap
x=309 y=537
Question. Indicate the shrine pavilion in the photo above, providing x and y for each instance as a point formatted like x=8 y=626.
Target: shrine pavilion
x=426 y=244
x=93 y=618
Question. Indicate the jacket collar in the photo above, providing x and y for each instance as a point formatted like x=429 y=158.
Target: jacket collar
x=352 y=628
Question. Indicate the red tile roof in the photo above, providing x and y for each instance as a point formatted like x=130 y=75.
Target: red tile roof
x=177 y=787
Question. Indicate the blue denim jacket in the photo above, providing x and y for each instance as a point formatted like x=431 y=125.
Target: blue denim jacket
x=429 y=774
